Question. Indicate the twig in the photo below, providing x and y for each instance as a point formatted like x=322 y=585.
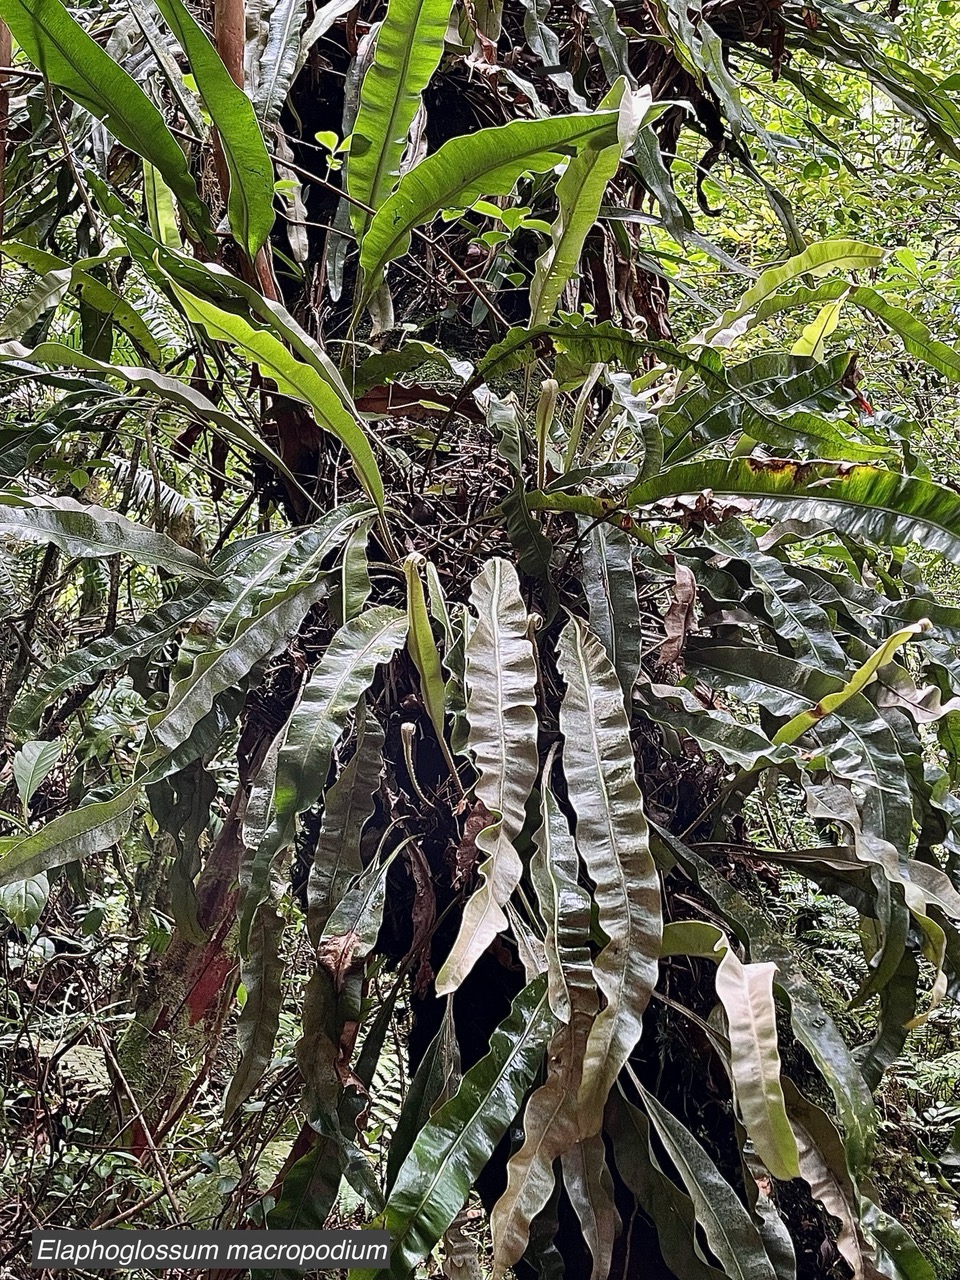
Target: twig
x=421 y=235
x=138 y=1115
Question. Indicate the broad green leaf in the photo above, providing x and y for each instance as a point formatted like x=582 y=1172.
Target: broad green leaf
x=898 y=1254
x=746 y=992
x=262 y=974
x=544 y=41
x=351 y=931
x=920 y=884
x=774 y=1231
x=565 y=908
x=347 y=806
x=740 y=744
x=647 y=428
x=534 y=549
x=256 y=872
x=589 y=343
x=485 y=163
x=32 y=764
x=612 y=837
x=74 y=835
x=786 y=403
x=250 y=200
x=728 y=1227
x=435 y=1179
x=69 y=58
x=22 y=901
x=865 y=673
x=160 y=207
x=423 y=650
x=338 y=681
x=170 y=389
x=579 y=195
x=90 y=531
x=210 y=281
x=550 y=1122
x=310 y=1186
x=253 y=570
x=294 y=378
x=501 y=699
x=309 y=1189
x=190 y=115
x=814 y=336
x=355 y=585
x=316 y=1054
x=224 y=666
x=203 y=742
x=180 y=805
x=856 y=740
x=793 y=614
x=776 y=303
x=436 y=1078
x=824 y=1169
x=917 y=338
x=409 y=46
x=610 y=585
x=826 y=255
x=60 y=277
x=812 y=1023
x=670 y=1209
x=388 y=366
x=862 y=501
x=243 y=577
x=609 y=37
x=693 y=938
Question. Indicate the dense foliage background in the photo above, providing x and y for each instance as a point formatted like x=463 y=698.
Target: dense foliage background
x=479 y=663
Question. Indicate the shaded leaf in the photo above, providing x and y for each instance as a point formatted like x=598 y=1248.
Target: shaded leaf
x=170 y=389
x=348 y=805
x=22 y=901
x=277 y=60
x=671 y=1211
x=823 y=1167
x=550 y=1122
x=728 y=1227
x=261 y=974
x=917 y=338
x=224 y=666
x=457 y=1142
x=69 y=838
x=72 y=60
x=612 y=837
x=590 y=1188
x=86 y=530
x=31 y=764
x=344 y=673
x=426 y=657
x=610 y=586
